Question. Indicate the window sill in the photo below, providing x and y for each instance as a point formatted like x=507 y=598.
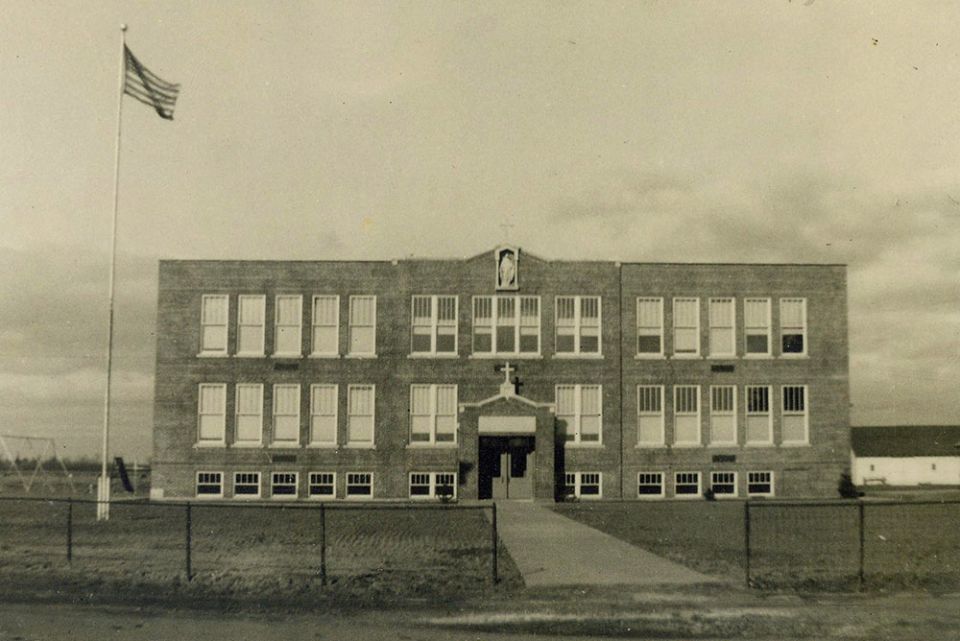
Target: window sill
x=249 y=355
x=208 y=497
x=688 y=497
x=360 y=356
x=432 y=446
x=651 y=497
x=650 y=446
x=425 y=355
x=324 y=356
x=583 y=446
x=212 y=355
x=287 y=355
x=755 y=445
x=210 y=445
x=722 y=357
x=649 y=357
x=794 y=356
x=246 y=446
x=569 y=356
x=758 y=357
x=321 y=446
x=795 y=444
x=723 y=446
x=686 y=446
x=358 y=498
x=284 y=446
x=360 y=446
x=246 y=497
x=521 y=357
x=686 y=357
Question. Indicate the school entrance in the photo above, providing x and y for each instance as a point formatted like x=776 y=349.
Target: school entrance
x=506 y=467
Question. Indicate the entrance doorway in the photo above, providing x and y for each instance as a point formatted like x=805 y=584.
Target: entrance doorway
x=506 y=467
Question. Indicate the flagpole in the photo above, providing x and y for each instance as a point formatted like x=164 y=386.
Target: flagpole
x=103 y=486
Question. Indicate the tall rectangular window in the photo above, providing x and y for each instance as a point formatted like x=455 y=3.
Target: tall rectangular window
x=686 y=326
x=794 y=418
x=326 y=325
x=211 y=410
x=323 y=415
x=215 y=309
x=686 y=415
x=650 y=415
x=793 y=326
x=250 y=323
x=759 y=425
x=286 y=415
x=433 y=414
x=363 y=325
x=722 y=327
x=506 y=325
x=289 y=315
x=756 y=326
x=579 y=407
x=434 y=325
x=249 y=414
x=360 y=417
x=723 y=415
x=649 y=327
x=578 y=325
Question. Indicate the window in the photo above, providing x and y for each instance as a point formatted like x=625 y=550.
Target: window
x=210 y=484
x=794 y=403
x=250 y=315
x=322 y=485
x=286 y=415
x=722 y=324
x=213 y=324
x=433 y=414
x=360 y=404
x=686 y=326
x=649 y=327
x=246 y=485
x=650 y=484
x=359 y=485
x=283 y=484
x=211 y=409
x=323 y=415
x=686 y=415
x=249 y=414
x=650 y=415
x=756 y=326
x=434 y=326
x=793 y=326
x=723 y=415
x=758 y=415
x=500 y=328
x=723 y=484
x=582 y=484
x=326 y=326
x=578 y=325
x=686 y=484
x=431 y=485
x=760 y=483
x=363 y=325
x=287 y=327
x=580 y=408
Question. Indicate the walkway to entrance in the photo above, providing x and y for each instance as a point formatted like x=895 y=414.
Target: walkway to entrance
x=550 y=550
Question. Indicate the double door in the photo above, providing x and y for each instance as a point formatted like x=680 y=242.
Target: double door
x=508 y=463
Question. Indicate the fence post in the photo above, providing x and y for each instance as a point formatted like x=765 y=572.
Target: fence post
x=860 y=578
x=69 y=529
x=495 y=541
x=746 y=539
x=323 y=544
x=189 y=541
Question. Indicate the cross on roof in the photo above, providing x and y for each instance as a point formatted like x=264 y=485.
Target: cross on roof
x=507 y=370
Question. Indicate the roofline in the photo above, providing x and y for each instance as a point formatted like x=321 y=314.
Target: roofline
x=465 y=259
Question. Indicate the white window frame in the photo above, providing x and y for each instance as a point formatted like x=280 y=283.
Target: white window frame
x=262 y=300
x=577 y=416
x=225 y=325
x=750 y=482
x=696 y=301
x=313 y=442
x=222 y=440
x=358 y=497
x=274 y=484
x=748 y=413
x=516 y=327
x=793 y=330
x=732 y=413
x=316 y=353
x=578 y=484
x=274 y=442
x=661 y=416
x=435 y=325
x=805 y=414
x=432 y=484
x=640 y=482
x=197 y=484
x=373 y=416
x=351 y=325
x=649 y=330
x=749 y=330
x=699 y=414
x=258 y=442
x=676 y=482
x=713 y=482
x=277 y=326
x=236 y=483
x=577 y=327
x=311 y=482
x=434 y=390
x=732 y=327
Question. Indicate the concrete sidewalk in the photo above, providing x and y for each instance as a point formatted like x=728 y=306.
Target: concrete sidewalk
x=551 y=550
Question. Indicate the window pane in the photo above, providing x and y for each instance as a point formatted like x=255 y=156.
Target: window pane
x=648 y=344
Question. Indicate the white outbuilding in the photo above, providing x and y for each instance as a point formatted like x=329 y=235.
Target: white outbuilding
x=906 y=455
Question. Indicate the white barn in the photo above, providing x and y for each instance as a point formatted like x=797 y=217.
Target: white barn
x=906 y=455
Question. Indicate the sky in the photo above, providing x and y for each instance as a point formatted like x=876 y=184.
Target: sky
x=637 y=131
